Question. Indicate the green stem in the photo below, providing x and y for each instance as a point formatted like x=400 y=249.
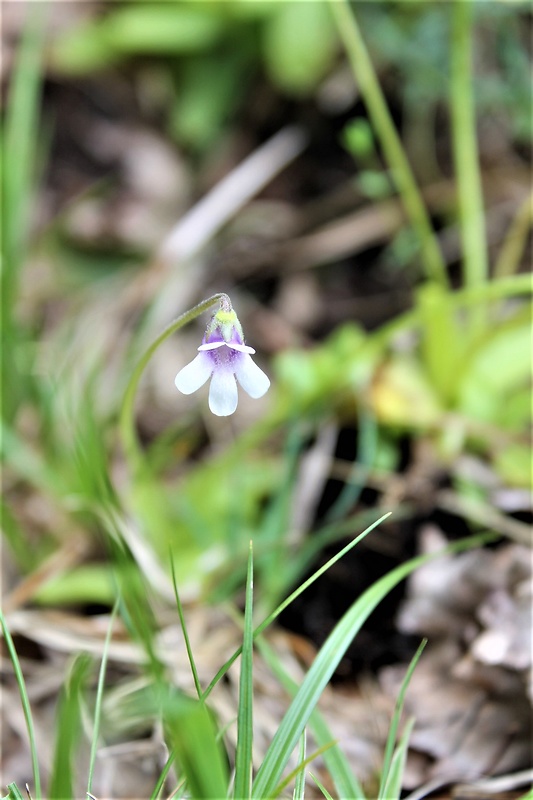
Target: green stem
x=25 y=704
x=130 y=441
x=389 y=139
x=471 y=214
x=515 y=240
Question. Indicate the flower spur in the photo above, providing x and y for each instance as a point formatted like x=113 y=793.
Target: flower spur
x=224 y=358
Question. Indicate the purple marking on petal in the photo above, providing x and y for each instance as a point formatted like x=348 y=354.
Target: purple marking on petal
x=251 y=377
x=223 y=395
x=195 y=374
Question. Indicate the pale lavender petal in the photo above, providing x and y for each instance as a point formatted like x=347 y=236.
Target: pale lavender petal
x=242 y=348
x=211 y=345
x=223 y=395
x=195 y=374
x=252 y=379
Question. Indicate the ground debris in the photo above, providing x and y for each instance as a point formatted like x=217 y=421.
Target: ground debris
x=469 y=692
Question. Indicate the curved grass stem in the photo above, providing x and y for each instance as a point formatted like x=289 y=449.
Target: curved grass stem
x=389 y=139
x=130 y=441
x=471 y=213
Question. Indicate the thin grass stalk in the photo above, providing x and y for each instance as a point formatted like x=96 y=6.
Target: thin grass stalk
x=243 y=753
x=158 y=788
x=190 y=656
x=393 y=785
x=297 y=771
x=513 y=245
x=282 y=606
x=321 y=787
x=299 y=785
x=380 y=116
x=395 y=722
x=130 y=441
x=99 y=696
x=25 y=705
x=471 y=212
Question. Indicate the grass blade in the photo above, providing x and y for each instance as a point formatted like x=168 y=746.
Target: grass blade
x=297 y=592
x=243 y=755
x=188 y=647
x=99 y=697
x=193 y=736
x=393 y=785
x=299 y=786
x=321 y=787
x=395 y=722
x=338 y=766
x=68 y=729
x=13 y=792
x=25 y=705
x=324 y=666
x=162 y=778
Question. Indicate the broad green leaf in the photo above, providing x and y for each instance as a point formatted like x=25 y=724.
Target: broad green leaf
x=299 y=45
x=401 y=395
x=442 y=339
x=161 y=28
x=500 y=367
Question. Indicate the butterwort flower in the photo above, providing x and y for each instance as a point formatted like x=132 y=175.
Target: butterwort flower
x=224 y=358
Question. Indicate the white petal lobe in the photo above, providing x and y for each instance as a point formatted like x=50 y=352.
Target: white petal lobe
x=223 y=395
x=195 y=374
x=251 y=377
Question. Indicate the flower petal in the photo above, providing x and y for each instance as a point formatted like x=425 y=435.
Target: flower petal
x=223 y=394
x=211 y=345
x=195 y=374
x=242 y=348
x=252 y=379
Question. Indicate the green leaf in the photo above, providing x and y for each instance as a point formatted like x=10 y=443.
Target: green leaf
x=25 y=705
x=68 y=729
x=498 y=368
x=442 y=339
x=299 y=45
x=158 y=29
x=324 y=666
x=13 y=792
x=322 y=788
x=193 y=735
x=336 y=762
x=393 y=785
x=161 y=29
x=99 y=697
x=386 y=771
x=299 y=785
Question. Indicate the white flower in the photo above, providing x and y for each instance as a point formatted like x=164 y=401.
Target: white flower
x=223 y=357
